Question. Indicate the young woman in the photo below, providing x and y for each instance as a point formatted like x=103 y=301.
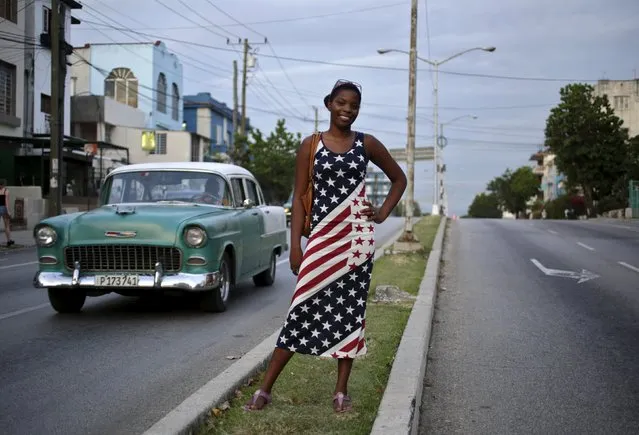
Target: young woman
x=327 y=314
x=4 y=211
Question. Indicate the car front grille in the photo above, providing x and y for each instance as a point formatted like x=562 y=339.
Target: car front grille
x=138 y=258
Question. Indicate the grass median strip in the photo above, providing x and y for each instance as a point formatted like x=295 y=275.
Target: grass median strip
x=302 y=396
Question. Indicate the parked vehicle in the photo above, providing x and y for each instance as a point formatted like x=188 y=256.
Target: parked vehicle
x=163 y=227
x=288 y=208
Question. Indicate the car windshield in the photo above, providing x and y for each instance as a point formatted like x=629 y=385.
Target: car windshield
x=167 y=186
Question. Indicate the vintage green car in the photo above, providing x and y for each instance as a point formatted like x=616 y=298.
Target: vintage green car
x=187 y=227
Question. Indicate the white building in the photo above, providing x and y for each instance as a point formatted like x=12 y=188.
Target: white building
x=624 y=99
x=25 y=66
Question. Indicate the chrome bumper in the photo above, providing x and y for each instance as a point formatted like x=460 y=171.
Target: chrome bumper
x=181 y=281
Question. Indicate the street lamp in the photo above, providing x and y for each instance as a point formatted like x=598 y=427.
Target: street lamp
x=441 y=189
x=435 y=64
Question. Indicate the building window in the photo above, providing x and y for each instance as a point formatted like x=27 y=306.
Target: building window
x=45 y=103
x=122 y=86
x=46 y=19
x=7 y=88
x=160 y=144
x=9 y=10
x=161 y=93
x=175 y=106
x=621 y=102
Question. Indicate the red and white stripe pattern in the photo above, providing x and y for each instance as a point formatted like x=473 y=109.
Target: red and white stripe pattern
x=328 y=308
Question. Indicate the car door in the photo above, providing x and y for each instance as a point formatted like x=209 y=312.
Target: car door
x=250 y=228
x=254 y=193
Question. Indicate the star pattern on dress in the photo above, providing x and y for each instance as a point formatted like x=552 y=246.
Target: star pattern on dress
x=327 y=319
x=327 y=314
x=336 y=177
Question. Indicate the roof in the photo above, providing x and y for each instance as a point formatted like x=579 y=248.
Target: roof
x=222 y=168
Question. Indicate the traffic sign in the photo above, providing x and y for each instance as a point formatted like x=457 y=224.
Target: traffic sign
x=421 y=153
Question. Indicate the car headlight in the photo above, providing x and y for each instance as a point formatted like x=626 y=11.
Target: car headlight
x=286 y=210
x=45 y=236
x=195 y=237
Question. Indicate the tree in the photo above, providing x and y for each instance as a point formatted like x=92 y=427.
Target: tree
x=485 y=206
x=270 y=159
x=513 y=190
x=590 y=144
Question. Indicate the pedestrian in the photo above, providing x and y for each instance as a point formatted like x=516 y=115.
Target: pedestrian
x=4 y=211
x=326 y=317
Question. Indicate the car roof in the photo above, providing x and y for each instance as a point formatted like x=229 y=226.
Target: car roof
x=222 y=168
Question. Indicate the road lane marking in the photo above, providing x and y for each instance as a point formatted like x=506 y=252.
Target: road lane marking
x=583 y=245
x=553 y=232
x=629 y=266
x=22 y=311
x=11 y=266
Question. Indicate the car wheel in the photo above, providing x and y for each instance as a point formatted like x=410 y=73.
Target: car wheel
x=216 y=300
x=267 y=278
x=67 y=300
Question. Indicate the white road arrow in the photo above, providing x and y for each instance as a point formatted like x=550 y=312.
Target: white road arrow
x=582 y=276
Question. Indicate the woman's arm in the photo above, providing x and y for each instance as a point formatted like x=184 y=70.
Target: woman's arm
x=301 y=184
x=379 y=155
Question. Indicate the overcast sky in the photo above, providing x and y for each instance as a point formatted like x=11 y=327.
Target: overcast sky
x=547 y=43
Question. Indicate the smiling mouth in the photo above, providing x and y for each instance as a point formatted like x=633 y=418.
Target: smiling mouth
x=345 y=118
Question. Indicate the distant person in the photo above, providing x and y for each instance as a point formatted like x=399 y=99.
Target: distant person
x=326 y=315
x=4 y=211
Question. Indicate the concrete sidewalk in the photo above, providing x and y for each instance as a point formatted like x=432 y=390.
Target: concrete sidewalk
x=23 y=239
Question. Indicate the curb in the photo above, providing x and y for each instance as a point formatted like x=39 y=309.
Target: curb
x=399 y=412
x=195 y=409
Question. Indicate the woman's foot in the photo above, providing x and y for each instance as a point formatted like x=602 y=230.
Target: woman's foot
x=258 y=401
x=342 y=403
x=10 y=242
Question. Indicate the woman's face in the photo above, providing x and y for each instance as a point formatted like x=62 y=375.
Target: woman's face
x=344 y=107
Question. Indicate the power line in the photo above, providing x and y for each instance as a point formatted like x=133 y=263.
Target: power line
x=284 y=20
x=371 y=67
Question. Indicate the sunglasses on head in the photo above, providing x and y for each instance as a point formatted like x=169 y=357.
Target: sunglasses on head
x=342 y=82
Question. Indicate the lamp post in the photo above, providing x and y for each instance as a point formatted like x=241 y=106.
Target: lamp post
x=435 y=64
x=442 y=189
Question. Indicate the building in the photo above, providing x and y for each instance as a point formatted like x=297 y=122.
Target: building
x=211 y=119
x=551 y=182
x=100 y=119
x=377 y=186
x=624 y=99
x=144 y=76
x=25 y=104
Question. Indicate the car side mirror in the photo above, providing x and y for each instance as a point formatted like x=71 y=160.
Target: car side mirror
x=248 y=203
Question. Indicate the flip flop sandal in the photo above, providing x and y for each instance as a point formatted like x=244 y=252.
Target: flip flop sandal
x=344 y=403
x=253 y=401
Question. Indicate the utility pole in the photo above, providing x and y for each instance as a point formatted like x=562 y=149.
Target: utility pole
x=316 y=118
x=234 y=102
x=410 y=143
x=58 y=76
x=246 y=47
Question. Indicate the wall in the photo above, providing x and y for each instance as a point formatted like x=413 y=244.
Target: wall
x=42 y=71
x=168 y=64
x=178 y=146
x=203 y=122
x=629 y=88
x=13 y=53
x=211 y=118
x=145 y=61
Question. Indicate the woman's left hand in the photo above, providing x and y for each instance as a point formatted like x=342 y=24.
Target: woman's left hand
x=371 y=213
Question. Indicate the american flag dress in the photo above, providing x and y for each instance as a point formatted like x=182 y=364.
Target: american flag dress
x=327 y=314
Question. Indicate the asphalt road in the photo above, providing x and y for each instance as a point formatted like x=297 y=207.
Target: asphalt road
x=517 y=351
x=123 y=363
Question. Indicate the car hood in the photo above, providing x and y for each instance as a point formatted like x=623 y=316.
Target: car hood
x=139 y=222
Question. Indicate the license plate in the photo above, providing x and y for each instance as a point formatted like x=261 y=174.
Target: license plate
x=117 y=280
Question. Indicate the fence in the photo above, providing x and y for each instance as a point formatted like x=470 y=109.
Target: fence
x=634 y=198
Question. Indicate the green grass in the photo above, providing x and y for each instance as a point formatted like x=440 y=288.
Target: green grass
x=302 y=396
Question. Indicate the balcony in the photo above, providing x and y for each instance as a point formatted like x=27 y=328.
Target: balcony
x=538 y=170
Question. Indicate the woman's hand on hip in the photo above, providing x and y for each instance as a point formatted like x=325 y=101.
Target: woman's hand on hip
x=372 y=214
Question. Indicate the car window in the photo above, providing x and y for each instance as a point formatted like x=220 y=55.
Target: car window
x=251 y=190
x=176 y=186
x=238 y=191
